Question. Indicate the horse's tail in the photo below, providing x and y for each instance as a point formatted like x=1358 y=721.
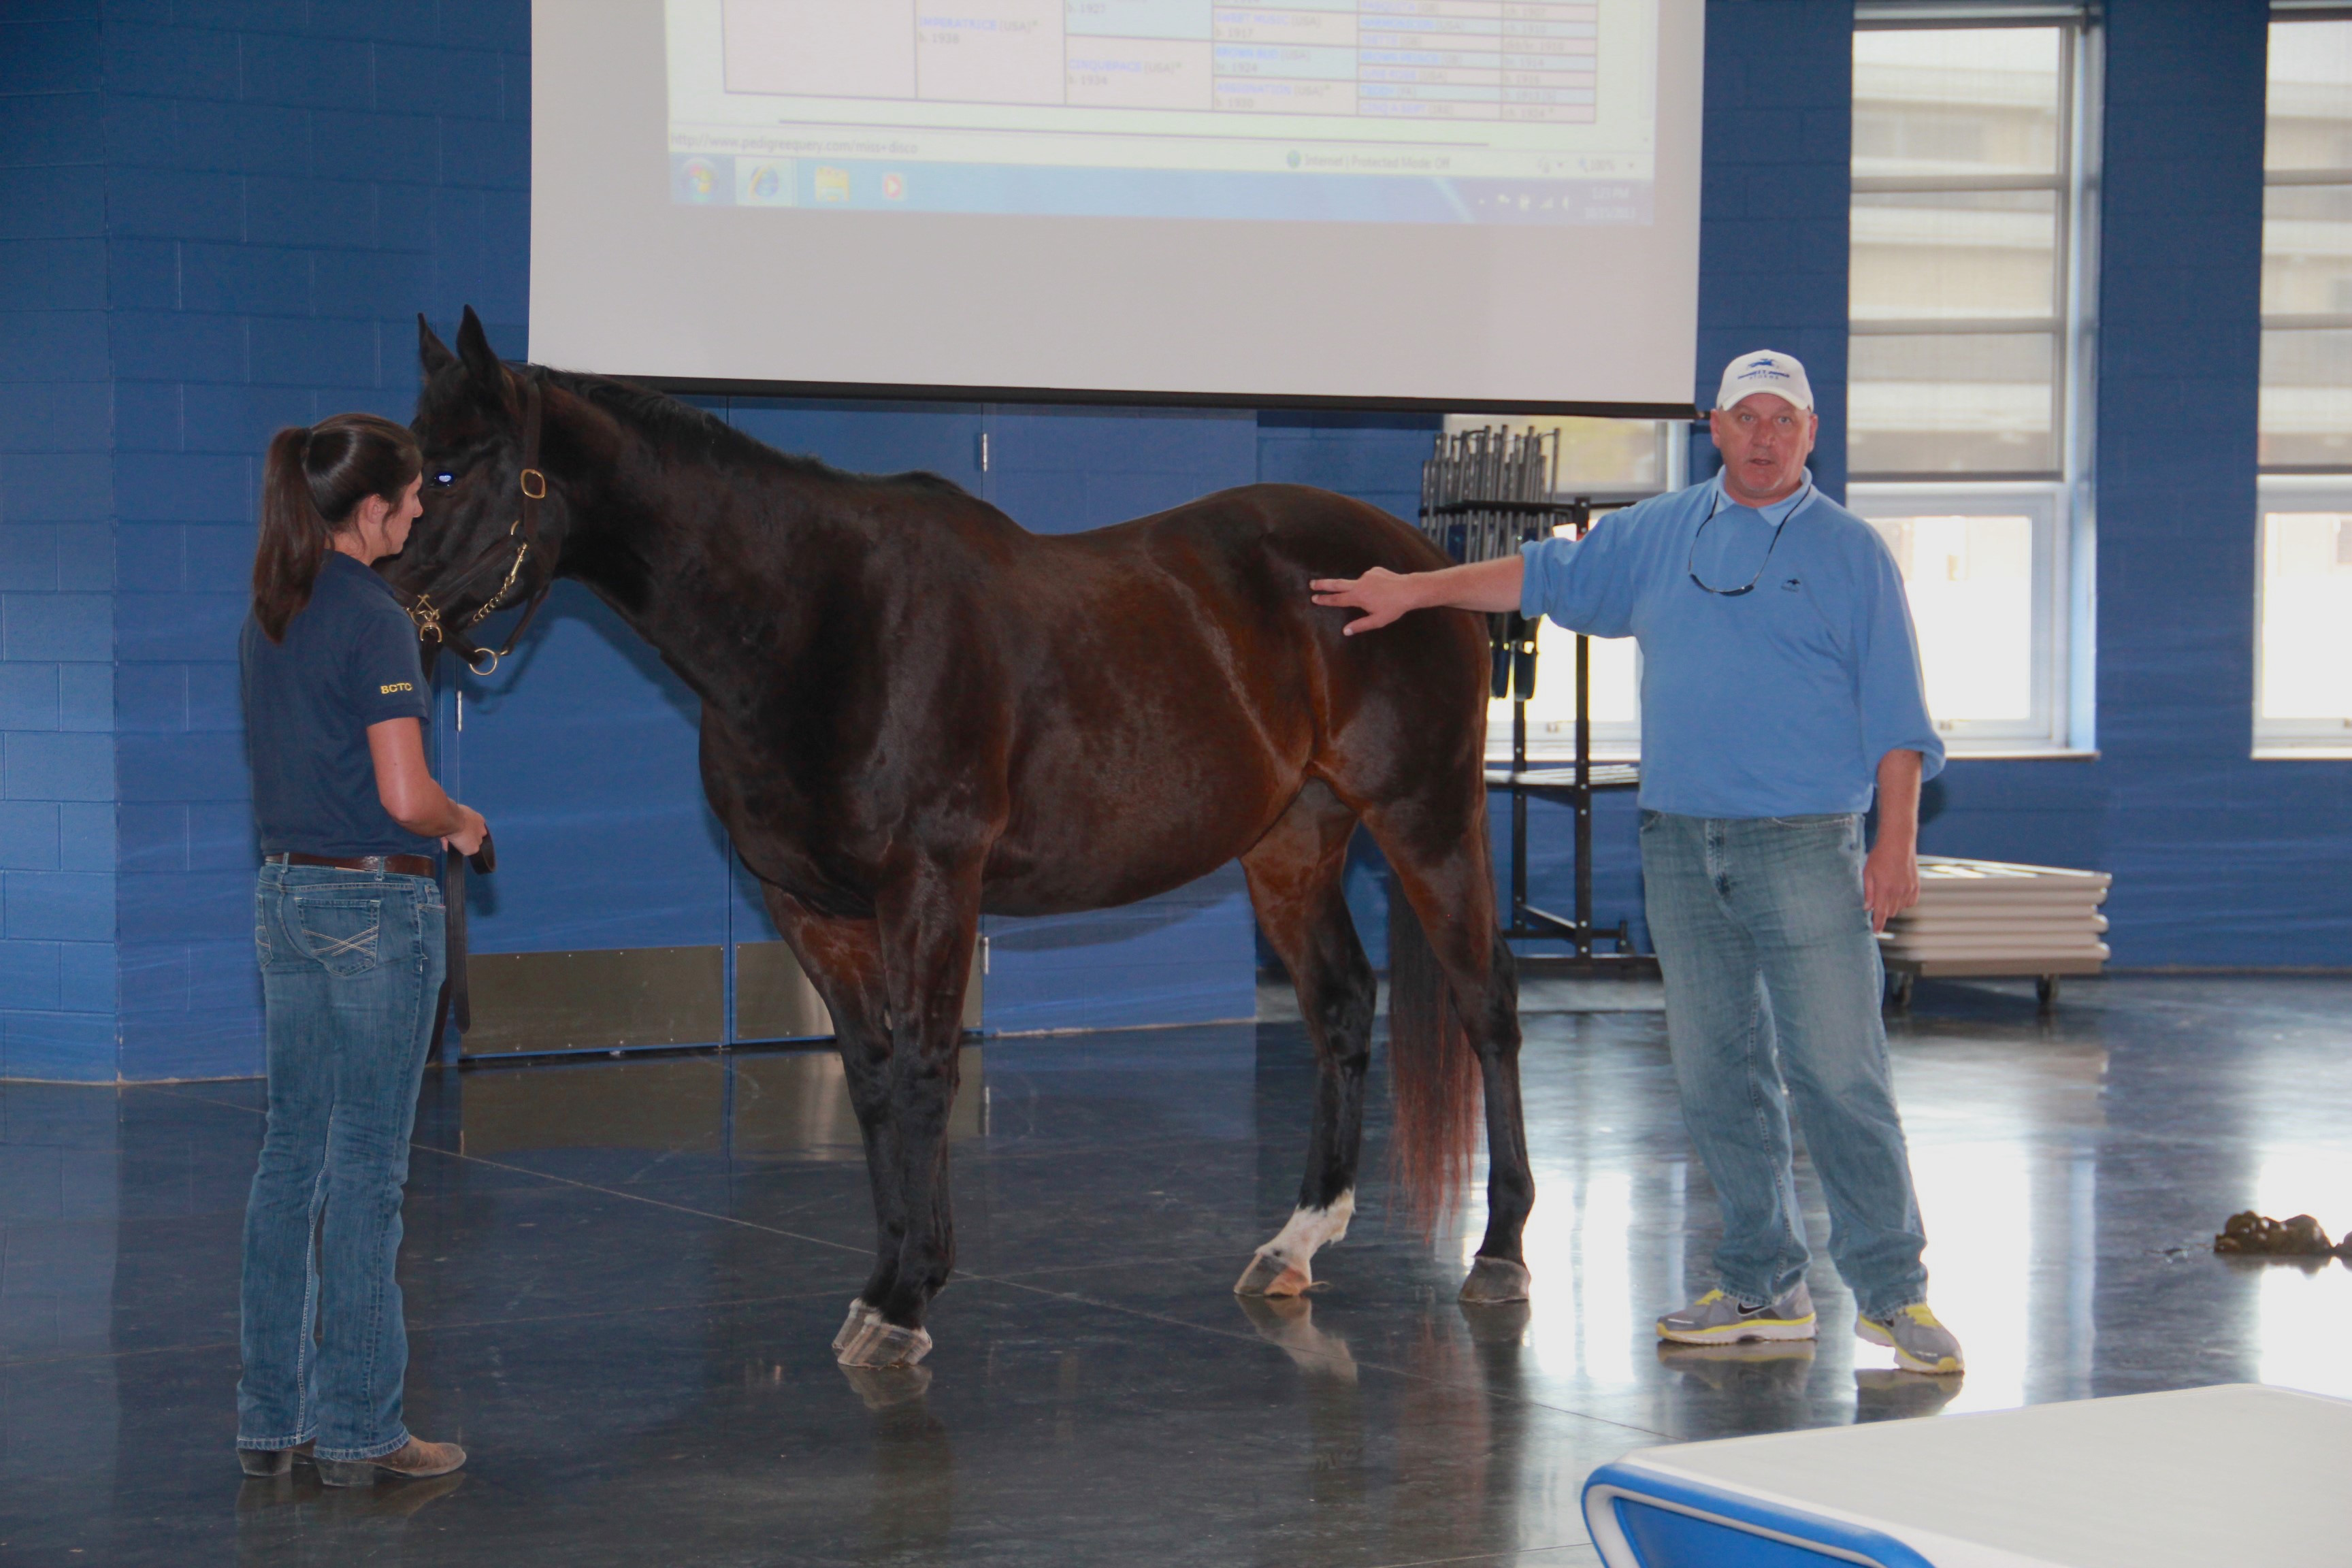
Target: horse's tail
x=1433 y=1076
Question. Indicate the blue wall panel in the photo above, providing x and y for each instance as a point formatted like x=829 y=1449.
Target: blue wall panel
x=57 y=885
x=224 y=216
x=1773 y=204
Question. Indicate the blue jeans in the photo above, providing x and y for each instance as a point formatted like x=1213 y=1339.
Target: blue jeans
x=1773 y=988
x=352 y=963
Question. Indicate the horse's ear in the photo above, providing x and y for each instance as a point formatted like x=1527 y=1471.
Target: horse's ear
x=431 y=351
x=481 y=360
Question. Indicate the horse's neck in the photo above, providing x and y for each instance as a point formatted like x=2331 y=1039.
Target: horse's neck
x=720 y=579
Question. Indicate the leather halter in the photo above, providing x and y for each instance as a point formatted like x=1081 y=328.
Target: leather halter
x=521 y=537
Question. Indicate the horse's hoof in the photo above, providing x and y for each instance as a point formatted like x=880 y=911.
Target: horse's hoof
x=860 y=1314
x=883 y=1344
x=1268 y=1275
x=1494 y=1279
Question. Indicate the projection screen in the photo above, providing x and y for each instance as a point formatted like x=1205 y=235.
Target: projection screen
x=1465 y=204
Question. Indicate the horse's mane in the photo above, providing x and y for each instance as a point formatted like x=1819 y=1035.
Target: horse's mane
x=676 y=425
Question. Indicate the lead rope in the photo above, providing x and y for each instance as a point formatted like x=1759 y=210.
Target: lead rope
x=456 y=995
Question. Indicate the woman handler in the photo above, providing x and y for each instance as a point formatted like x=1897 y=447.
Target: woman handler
x=348 y=923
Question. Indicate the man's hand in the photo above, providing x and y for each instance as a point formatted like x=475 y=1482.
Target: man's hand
x=1383 y=596
x=1380 y=594
x=1890 y=880
x=1890 y=875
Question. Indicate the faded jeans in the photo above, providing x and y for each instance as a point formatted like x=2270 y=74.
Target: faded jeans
x=1773 y=988
x=352 y=963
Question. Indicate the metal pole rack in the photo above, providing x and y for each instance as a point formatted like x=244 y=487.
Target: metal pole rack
x=1484 y=494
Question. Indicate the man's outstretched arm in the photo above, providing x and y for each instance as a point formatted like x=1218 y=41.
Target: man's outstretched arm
x=1383 y=594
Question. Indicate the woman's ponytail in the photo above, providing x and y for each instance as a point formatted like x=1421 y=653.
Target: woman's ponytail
x=293 y=535
x=312 y=483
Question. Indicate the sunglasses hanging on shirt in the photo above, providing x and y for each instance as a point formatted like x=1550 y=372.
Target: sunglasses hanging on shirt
x=1691 y=566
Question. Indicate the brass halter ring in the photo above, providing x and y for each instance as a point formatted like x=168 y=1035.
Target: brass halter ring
x=427 y=617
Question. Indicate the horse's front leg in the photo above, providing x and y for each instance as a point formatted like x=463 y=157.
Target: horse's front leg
x=928 y=917
x=843 y=961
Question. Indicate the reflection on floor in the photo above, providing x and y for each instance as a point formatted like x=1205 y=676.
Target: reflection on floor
x=622 y=1275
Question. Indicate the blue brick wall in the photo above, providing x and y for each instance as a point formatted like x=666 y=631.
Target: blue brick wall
x=215 y=218
x=288 y=186
x=1774 y=193
x=57 y=884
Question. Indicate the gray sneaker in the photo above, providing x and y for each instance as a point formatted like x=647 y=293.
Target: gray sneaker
x=1920 y=1343
x=1716 y=1319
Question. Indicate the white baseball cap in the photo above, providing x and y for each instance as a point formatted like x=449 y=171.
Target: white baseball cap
x=1766 y=370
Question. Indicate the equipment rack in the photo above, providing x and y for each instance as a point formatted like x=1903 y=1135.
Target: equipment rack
x=1477 y=528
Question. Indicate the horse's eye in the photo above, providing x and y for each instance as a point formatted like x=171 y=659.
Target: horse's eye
x=443 y=481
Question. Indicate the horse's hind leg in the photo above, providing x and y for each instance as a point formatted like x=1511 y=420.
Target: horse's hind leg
x=1436 y=848
x=1297 y=875
x=844 y=961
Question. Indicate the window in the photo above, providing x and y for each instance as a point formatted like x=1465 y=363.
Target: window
x=2303 y=677
x=1962 y=179
x=1983 y=572
x=1969 y=214
x=2306 y=395
x=1607 y=460
x=2303 y=682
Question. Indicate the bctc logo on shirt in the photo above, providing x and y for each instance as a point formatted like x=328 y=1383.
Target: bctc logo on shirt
x=396 y=686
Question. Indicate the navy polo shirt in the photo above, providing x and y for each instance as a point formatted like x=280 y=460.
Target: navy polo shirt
x=350 y=660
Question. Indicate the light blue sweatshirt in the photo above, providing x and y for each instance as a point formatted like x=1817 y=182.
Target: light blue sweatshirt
x=1776 y=702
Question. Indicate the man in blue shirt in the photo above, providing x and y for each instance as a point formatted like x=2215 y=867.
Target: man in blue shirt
x=1780 y=690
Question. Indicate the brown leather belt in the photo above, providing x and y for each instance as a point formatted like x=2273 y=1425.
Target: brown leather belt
x=403 y=865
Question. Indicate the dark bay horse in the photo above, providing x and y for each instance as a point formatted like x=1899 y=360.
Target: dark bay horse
x=914 y=712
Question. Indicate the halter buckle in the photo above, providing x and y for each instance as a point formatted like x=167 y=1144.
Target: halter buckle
x=529 y=475
x=427 y=617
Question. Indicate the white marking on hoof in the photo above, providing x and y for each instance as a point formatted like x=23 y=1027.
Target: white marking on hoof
x=1494 y=1279
x=860 y=1314
x=883 y=1343
x=1281 y=1267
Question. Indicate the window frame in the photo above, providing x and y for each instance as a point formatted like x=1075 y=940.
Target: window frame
x=2281 y=487
x=2063 y=503
x=2277 y=740
x=2307 y=179
x=2071 y=184
x=2045 y=729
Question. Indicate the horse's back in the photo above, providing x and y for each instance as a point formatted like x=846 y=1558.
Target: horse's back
x=1177 y=684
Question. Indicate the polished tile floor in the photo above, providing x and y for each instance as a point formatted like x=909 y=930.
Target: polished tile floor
x=622 y=1275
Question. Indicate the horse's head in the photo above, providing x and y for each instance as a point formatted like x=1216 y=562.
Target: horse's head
x=484 y=543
